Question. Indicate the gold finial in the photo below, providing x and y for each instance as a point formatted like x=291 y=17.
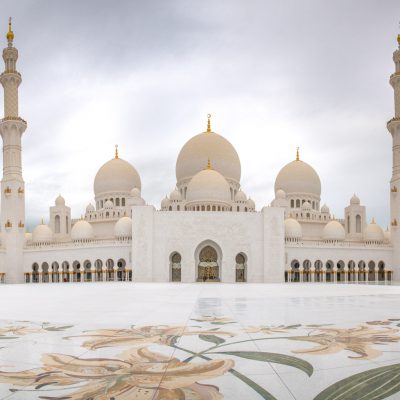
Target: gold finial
x=209 y=166
x=116 y=151
x=208 y=123
x=297 y=154
x=10 y=33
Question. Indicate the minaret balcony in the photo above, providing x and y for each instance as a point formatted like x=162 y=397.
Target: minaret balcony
x=13 y=119
x=10 y=72
x=393 y=123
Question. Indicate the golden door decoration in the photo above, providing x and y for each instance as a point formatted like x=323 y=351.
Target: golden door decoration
x=176 y=267
x=240 y=268
x=208 y=266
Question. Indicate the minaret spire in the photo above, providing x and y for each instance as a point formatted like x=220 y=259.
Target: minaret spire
x=10 y=34
x=12 y=126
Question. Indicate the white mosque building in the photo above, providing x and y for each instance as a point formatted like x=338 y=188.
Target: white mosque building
x=206 y=230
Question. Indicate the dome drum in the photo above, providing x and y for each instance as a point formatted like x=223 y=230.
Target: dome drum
x=212 y=205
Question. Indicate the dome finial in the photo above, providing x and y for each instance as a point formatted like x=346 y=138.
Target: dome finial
x=209 y=166
x=208 y=123
x=10 y=33
x=116 y=151
x=297 y=154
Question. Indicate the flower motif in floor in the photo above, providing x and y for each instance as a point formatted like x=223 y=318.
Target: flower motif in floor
x=137 y=373
x=271 y=329
x=143 y=335
x=357 y=340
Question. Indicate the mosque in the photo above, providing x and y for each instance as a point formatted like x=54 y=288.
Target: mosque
x=206 y=230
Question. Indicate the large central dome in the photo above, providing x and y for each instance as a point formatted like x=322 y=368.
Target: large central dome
x=208 y=146
x=116 y=175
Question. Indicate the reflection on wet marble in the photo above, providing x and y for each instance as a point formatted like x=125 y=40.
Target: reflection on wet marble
x=126 y=341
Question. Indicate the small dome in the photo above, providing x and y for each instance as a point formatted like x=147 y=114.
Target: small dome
x=90 y=208
x=165 y=202
x=135 y=192
x=208 y=145
x=293 y=229
x=354 y=200
x=333 y=230
x=123 y=228
x=306 y=206
x=280 y=194
x=240 y=196
x=60 y=201
x=116 y=175
x=251 y=204
x=175 y=195
x=108 y=204
x=298 y=177
x=28 y=237
x=208 y=185
x=42 y=234
x=373 y=232
x=82 y=230
x=325 y=209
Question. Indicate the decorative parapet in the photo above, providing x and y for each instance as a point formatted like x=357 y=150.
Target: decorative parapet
x=323 y=244
x=395 y=119
x=13 y=119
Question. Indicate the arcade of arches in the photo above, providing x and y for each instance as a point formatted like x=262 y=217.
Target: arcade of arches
x=341 y=272
x=97 y=271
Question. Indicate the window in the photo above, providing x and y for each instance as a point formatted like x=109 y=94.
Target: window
x=57 y=224
x=123 y=202
x=117 y=202
x=358 y=223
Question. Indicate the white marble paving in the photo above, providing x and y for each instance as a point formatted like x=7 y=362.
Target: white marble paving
x=274 y=341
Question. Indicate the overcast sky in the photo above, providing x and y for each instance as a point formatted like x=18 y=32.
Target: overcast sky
x=144 y=74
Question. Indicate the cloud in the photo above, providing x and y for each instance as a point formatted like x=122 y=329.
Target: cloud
x=274 y=75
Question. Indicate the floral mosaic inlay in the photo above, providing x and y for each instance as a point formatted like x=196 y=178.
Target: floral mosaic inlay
x=162 y=362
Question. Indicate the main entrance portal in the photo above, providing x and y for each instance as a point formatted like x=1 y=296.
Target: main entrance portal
x=208 y=268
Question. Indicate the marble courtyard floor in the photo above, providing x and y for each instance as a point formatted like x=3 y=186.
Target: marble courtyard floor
x=126 y=341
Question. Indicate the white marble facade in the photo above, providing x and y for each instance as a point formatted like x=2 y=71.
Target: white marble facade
x=207 y=229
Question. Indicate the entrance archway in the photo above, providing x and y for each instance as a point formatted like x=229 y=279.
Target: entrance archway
x=208 y=265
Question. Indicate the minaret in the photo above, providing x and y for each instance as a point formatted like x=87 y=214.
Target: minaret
x=12 y=185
